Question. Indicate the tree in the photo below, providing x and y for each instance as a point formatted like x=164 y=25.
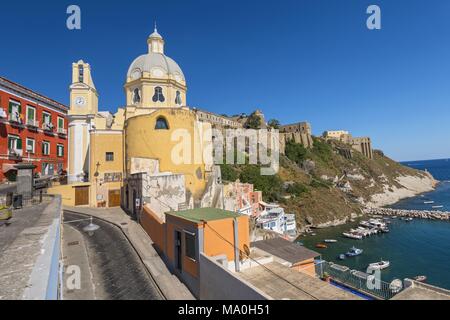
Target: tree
x=271 y=186
x=228 y=172
x=253 y=121
x=274 y=124
x=295 y=152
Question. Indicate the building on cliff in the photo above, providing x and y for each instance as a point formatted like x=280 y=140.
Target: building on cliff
x=360 y=144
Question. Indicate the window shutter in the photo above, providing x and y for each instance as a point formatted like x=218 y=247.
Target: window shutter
x=62 y=151
x=10 y=107
x=43 y=146
x=10 y=143
x=30 y=114
x=20 y=108
x=19 y=144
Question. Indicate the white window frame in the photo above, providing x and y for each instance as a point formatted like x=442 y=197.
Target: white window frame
x=35 y=113
x=48 y=149
x=26 y=145
x=49 y=117
x=63 y=122
x=58 y=148
x=16 y=138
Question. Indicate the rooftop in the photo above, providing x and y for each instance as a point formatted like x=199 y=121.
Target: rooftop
x=204 y=214
x=286 y=250
x=283 y=283
x=422 y=291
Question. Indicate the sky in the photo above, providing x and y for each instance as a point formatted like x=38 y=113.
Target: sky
x=296 y=60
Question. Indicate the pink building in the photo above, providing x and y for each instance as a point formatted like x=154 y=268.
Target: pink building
x=242 y=198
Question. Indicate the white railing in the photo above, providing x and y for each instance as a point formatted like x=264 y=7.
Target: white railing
x=62 y=131
x=14 y=118
x=47 y=126
x=15 y=152
x=33 y=123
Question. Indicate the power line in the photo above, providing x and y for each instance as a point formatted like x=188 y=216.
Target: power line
x=260 y=264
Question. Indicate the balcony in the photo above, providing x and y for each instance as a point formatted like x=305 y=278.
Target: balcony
x=33 y=123
x=14 y=118
x=47 y=127
x=15 y=153
x=62 y=131
x=3 y=114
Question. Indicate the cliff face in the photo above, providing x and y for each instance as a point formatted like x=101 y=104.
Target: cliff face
x=329 y=183
x=337 y=187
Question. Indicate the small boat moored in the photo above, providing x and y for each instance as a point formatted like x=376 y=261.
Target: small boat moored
x=321 y=246
x=379 y=265
x=353 y=252
x=420 y=278
x=330 y=240
x=342 y=256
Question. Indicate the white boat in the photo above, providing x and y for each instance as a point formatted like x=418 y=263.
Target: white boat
x=330 y=240
x=428 y=202
x=379 y=265
x=352 y=235
x=437 y=207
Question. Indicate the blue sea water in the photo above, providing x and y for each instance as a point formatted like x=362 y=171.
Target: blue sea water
x=420 y=247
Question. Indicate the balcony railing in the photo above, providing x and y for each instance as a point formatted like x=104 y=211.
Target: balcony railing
x=3 y=114
x=47 y=126
x=14 y=118
x=33 y=123
x=62 y=131
x=15 y=153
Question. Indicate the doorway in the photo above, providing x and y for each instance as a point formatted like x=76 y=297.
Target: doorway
x=82 y=196
x=113 y=198
x=178 y=250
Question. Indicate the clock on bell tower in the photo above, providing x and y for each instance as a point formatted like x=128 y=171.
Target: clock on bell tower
x=83 y=95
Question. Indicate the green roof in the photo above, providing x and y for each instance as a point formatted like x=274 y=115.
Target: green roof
x=206 y=214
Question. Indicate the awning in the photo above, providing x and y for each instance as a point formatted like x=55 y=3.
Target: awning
x=8 y=166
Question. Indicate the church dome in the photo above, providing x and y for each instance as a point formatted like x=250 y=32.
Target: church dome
x=155 y=62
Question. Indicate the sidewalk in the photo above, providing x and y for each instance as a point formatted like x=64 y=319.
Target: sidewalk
x=167 y=282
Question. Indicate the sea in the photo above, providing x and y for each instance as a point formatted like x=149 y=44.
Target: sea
x=419 y=247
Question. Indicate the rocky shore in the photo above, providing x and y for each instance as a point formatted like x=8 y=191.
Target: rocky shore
x=421 y=214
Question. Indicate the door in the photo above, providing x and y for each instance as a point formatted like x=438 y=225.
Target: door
x=82 y=196
x=178 y=250
x=114 y=198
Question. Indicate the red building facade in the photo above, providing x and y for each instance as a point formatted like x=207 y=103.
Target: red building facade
x=33 y=129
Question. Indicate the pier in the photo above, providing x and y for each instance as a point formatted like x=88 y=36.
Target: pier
x=403 y=213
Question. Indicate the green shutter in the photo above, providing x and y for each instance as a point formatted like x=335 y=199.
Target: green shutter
x=19 y=144
x=43 y=144
x=10 y=107
x=60 y=123
x=62 y=151
x=31 y=113
x=20 y=108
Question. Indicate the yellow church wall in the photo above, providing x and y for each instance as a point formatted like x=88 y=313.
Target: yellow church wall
x=143 y=141
x=103 y=141
x=67 y=192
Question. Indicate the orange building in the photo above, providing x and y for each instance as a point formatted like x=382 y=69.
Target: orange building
x=181 y=236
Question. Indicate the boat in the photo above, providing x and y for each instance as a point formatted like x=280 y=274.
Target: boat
x=313 y=234
x=394 y=217
x=354 y=252
x=321 y=246
x=437 y=207
x=330 y=240
x=385 y=230
x=352 y=235
x=379 y=265
x=428 y=202
x=420 y=278
x=342 y=256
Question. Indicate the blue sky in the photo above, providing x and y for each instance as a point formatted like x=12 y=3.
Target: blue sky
x=296 y=60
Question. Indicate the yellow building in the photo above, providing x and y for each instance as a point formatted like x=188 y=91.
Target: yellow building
x=154 y=135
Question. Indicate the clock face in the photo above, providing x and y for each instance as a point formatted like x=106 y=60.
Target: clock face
x=80 y=101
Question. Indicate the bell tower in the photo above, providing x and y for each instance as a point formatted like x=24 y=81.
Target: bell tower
x=83 y=108
x=83 y=95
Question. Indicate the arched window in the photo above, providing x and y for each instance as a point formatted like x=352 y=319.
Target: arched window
x=158 y=96
x=178 y=98
x=161 y=124
x=136 y=96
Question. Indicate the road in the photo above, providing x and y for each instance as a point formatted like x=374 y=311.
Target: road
x=110 y=267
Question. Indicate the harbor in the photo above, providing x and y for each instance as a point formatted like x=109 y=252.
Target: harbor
x=405 y=213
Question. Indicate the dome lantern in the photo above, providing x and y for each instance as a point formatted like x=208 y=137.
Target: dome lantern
x=155 y=42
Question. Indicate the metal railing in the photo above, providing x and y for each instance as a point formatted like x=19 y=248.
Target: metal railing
x=365 y=283
x=32 y=123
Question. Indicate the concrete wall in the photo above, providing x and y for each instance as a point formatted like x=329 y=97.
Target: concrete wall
x=217 y=283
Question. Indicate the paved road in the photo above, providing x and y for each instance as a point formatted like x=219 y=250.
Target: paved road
x=106 y=258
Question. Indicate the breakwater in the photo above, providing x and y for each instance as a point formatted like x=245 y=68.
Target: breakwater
x=404 y=213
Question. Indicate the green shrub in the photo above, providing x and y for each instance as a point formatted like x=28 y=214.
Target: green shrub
x=295 y=152
x=271 y=186
x=297 y=189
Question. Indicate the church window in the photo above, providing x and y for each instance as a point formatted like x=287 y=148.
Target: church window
x=161 y=124
x=178 y=98
x=158 y=96
x=136 y=96
x=80 y=73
